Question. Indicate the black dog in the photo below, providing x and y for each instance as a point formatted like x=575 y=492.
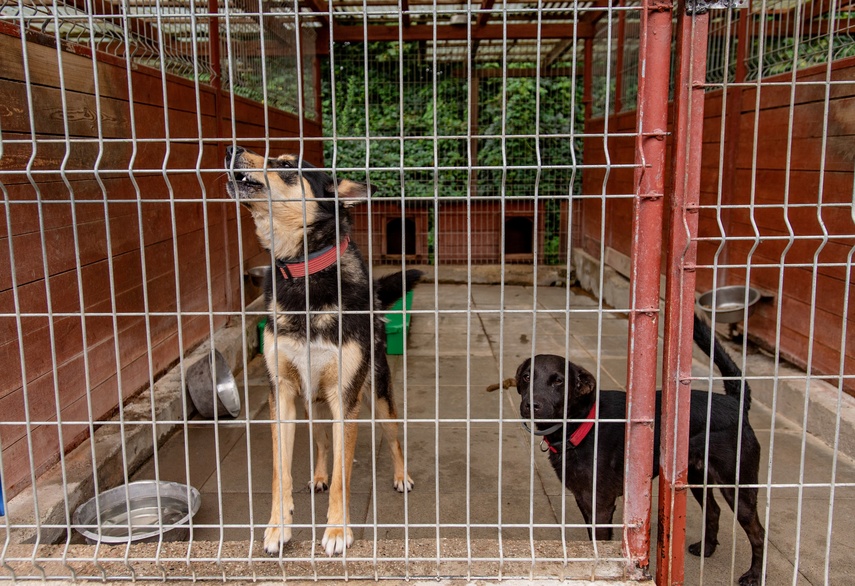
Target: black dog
x=542 y=389
x=327 y=362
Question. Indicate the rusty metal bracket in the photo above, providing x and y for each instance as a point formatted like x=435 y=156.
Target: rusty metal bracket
x=695 y=7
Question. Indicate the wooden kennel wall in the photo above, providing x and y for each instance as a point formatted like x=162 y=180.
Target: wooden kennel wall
x=126 y=169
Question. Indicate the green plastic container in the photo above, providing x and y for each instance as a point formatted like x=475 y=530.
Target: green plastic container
x=261 y=325
x=397 y=325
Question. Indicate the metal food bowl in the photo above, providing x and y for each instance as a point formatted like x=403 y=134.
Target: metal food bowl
x=256 y=275
x=729 y=303
x=201 y=387
x=134 y=514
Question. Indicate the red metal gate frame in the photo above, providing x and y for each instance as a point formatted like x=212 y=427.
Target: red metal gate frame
x=646 y=256
x=654 y=62
x=680 y=293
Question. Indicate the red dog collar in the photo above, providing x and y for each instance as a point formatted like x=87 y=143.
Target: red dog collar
x=581 y=432
x=317 y=261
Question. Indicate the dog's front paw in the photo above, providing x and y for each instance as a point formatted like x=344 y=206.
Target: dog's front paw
x=336 y=540
x=750 y=578
x=403 y=485
x=275 y=538
x=695 y=549
x=278 y=531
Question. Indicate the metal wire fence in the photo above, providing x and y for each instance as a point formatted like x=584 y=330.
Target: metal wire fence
x=176 y=38
x=518 y=154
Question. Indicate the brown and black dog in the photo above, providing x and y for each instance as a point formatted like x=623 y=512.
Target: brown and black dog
x=322 y=343
x=553 y=389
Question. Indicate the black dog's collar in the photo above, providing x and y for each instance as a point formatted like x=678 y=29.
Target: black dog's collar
x=555 y=427
x=575 y=438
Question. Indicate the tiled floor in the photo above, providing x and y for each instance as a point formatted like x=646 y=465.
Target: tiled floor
x=472 y=470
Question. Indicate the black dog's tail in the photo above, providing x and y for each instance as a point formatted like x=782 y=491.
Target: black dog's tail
x=389 y=288
x=733 y=385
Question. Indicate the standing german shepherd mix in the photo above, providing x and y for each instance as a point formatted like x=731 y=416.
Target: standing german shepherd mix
x=543 y=387
x=328 y=361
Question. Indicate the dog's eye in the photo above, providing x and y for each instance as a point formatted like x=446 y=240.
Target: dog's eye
x=287 y=164
x=525 y=377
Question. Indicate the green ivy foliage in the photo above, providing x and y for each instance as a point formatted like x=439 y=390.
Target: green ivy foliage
x=438 y=140
x=432 y=114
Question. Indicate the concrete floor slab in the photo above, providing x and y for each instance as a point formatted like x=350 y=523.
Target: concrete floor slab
x=494 y=477
x=455 y=370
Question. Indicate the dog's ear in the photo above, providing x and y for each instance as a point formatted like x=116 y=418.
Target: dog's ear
x=521 y=371
x=585 y=382
x=350 y=192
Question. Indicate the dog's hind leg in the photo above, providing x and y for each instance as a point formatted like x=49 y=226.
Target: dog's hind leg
x=385 y=412
x=746 y=514
x=722 y=470
x=713 y=512
x=384 y=409
x=283 y=412
x=320 y=431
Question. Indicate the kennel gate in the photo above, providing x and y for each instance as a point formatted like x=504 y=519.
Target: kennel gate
x=115 y=122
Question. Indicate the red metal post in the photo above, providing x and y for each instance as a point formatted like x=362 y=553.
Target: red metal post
x=654 y=61
x=679 y=297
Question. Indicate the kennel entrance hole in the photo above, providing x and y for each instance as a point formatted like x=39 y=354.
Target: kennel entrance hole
x=401 y=237
x=519 y=235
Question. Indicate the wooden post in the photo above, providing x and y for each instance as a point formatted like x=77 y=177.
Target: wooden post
x=319 y=103
x=474 y=86
x=587 y=80
x=619 y=61
x=216 y=66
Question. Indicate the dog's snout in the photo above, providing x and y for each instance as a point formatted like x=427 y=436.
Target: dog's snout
x=527 y=408
x=233 y=152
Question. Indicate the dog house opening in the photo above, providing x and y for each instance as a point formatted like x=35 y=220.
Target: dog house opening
x=401 y=237
x=519 y=236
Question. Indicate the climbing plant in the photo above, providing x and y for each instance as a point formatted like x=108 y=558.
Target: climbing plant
x=407 y=119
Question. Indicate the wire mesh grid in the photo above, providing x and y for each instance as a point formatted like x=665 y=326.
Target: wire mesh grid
x=176 y=38
x=753 y=244
x=491 y=146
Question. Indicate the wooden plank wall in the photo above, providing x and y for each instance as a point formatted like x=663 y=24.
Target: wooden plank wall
x=133 y=209
x=383 y=211
x=473 y=232
x=768 y=182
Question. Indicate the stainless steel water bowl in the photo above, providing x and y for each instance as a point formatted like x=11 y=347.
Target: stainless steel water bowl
x=729 y=303
x=202 y=385
x=256 y=275
x=133 y=512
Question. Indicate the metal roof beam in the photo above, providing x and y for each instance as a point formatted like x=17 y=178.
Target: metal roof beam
x=356 y=34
